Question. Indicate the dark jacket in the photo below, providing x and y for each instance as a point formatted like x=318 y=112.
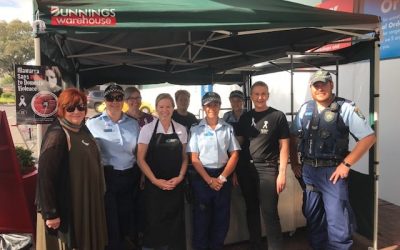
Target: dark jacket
x=53 y=196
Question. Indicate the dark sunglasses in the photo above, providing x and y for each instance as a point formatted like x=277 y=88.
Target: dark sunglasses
x=81 y=107
x=111 y=98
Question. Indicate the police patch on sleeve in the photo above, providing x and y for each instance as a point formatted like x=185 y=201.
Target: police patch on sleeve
x=358 y=112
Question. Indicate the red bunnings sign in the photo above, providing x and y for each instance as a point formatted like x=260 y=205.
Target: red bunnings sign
x=336 y=5
x=82 y=17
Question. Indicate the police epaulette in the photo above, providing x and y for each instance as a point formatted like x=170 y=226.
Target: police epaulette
x=95 y=116
x=194 y=124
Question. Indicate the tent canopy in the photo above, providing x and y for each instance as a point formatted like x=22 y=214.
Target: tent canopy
x=183 y=41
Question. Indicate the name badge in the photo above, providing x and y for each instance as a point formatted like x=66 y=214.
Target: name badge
x=209 y=133
x=107 y=130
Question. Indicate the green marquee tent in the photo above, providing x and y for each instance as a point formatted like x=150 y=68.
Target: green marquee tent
x=196 y=42
x=183 y=41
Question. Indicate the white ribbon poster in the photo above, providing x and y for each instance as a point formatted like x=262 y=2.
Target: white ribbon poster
x=36 y=91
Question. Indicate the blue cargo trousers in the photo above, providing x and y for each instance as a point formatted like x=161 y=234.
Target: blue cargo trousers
x=330 y=219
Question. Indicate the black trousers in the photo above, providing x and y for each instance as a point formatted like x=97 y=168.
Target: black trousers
x=249 y=183
x=119 y=203
x=258 y=184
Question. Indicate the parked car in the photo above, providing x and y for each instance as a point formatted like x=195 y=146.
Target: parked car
x=94 y=99
x=145 y=107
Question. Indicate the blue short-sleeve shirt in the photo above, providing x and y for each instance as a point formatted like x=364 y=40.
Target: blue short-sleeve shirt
x=117 y=140
x=213 y=145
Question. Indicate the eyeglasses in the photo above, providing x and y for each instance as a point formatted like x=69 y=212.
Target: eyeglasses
x=81 y=107
x=111 y=98
x=135 y=98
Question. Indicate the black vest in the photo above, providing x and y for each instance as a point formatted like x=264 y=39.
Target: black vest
x=324 y=136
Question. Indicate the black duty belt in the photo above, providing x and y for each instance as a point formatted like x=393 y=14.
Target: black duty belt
x=321 y=162
x=108 y=169
x=212 y=172
x=264 y=163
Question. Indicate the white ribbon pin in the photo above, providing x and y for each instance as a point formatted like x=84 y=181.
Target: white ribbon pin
x=22 y=101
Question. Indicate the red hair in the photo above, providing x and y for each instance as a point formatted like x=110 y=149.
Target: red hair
x=71 y=96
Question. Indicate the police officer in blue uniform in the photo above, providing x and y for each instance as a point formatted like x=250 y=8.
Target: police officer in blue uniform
x=214 y=153
x=117 y=135
x=320 y=134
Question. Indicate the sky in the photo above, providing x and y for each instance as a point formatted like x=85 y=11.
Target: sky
x=16 y=9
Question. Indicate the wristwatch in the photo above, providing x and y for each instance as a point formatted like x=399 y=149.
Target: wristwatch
x=346 y=164
x=222 y=178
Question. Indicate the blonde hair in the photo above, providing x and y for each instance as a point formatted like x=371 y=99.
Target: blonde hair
x=163 y=96
x=130 y=90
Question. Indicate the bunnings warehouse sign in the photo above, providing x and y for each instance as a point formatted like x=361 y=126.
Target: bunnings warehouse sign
x=36 y=91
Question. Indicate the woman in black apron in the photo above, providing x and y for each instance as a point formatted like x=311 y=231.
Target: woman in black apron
x=162 y=158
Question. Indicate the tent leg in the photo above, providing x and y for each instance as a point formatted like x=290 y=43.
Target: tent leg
x=291 y=89
x=374 y=118
x=39 y=127
x=246 y=91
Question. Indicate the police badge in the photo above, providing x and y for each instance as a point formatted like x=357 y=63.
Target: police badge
x=329 y=116
x=358 y=112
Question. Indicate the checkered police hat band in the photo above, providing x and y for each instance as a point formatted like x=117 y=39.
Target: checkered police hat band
x=113 y=89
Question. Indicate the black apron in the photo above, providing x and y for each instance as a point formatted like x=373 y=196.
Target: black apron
x=164 y=210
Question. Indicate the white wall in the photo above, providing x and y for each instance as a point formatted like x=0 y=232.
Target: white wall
x=389 y=135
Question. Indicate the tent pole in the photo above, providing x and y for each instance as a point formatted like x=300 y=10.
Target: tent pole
x=374 y=118
x=291 y=88
x=246 y=91
x=77 y=83
x=39 y=127
x=337 y=77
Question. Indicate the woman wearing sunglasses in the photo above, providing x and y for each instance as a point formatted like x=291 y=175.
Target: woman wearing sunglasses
x=70 y=191
x=116 y=133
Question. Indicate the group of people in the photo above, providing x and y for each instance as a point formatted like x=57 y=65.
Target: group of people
x=106 y=181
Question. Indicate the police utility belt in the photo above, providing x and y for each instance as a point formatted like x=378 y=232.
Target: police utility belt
x=321 y=162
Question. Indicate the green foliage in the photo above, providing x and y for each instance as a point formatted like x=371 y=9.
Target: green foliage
x=6 y=80
x=1 y=91
x=6 y=98
x=25 y=159
x=8 y=95
x=16 y=45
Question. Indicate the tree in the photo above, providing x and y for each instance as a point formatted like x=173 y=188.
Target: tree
x=6 y=80
x=16 y=45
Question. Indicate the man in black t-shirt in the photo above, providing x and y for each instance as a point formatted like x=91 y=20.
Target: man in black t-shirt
x=266 y=132
x=181 y=114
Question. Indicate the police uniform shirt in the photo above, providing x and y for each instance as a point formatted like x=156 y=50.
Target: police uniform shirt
x=213 y=145
x=230 y=118
x=117 y=140
x=147 y=131
x=263 y=130
x=351 y=115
